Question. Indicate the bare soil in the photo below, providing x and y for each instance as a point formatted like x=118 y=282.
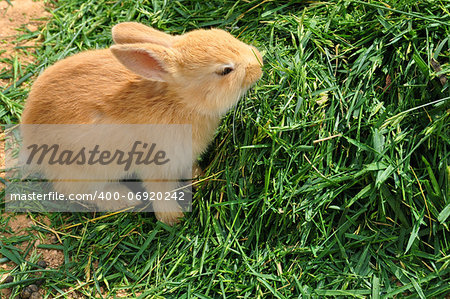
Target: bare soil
x=22 y=13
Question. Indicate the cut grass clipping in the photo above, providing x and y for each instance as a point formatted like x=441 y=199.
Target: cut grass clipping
x=330 y=178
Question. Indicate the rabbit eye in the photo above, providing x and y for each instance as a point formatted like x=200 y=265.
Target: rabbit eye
x=225 y=71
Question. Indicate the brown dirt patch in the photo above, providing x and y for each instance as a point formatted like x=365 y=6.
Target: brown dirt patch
x=21 y=225
x=27 y=13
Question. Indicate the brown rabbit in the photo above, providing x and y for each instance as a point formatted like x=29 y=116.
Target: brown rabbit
x=148 y=77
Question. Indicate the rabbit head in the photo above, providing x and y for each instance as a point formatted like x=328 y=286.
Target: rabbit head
x=209 y=70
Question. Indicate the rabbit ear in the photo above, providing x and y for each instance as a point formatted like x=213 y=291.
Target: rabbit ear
x=132 y=32
x=152 y=62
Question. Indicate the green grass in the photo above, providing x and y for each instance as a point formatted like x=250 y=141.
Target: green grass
x=330 y=179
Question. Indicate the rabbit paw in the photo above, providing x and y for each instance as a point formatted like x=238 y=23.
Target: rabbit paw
x=169 y=218
x=170 y=214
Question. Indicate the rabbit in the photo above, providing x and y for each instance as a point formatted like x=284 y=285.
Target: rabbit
x=147 y=77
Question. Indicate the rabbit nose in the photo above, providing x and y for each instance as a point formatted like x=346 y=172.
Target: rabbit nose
x=258 y=55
